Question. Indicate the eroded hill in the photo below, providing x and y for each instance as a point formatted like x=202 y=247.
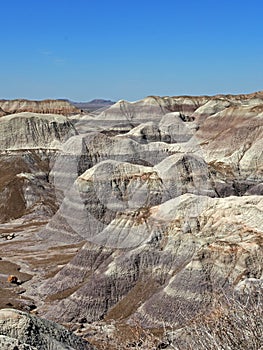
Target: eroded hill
x=145 y=211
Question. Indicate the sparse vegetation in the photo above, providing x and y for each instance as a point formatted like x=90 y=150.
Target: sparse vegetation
x=233 y=324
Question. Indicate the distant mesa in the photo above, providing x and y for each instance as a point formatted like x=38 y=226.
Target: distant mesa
x=51 y=106
x=44 y=107
x=92 y=105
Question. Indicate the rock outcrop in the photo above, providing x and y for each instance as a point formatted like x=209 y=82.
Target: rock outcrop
x=28 y=144
x=20 y=330
x=34 y=131
x=25 y=189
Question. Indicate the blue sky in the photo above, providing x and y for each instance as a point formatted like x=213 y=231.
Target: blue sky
x=82 y=49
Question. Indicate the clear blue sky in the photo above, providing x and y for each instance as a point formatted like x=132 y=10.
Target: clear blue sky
x=82 y=49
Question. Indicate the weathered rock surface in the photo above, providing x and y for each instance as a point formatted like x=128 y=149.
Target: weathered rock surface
x=20 y=330
x=28 y=144
x=24 y=187
x=162 y=196
x=30 y=131
x=194 y=247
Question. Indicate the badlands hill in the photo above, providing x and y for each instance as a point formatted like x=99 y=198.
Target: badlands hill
x=20 y=331
x=143 y=213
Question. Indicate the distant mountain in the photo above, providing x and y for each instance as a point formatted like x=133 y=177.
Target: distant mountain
x=92 y=105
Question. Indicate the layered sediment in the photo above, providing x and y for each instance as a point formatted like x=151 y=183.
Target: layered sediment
x=162 y=198
x=45 y=107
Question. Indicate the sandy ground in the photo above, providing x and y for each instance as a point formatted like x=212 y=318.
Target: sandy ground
x=25 y=256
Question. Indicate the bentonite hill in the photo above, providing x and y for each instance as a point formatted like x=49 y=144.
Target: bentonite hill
x=133 y=223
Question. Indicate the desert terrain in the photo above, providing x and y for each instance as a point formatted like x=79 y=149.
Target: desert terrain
x=132 y=222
